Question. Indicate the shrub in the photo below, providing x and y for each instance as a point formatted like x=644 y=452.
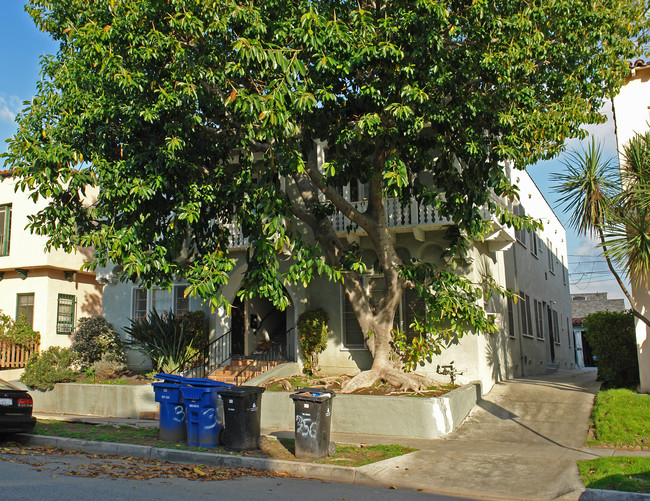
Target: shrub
x=52 y=366
x=169 y=340
x=18 y=332
x=612 y=339
x=95 y=339
x=312 y=330
x=107 y=369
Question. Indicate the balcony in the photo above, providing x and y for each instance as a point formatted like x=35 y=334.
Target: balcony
x=414 y=217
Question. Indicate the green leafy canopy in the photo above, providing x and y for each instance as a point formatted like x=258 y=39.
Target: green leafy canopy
x=192 y=115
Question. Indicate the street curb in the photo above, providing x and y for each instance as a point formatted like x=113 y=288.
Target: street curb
x=605 y=495
x=333 y=473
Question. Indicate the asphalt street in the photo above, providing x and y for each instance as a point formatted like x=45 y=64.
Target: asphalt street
x=62 y=477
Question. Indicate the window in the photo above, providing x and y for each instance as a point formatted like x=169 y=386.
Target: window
x=139 y=309
x=5 y=229
x=563 y=272
x=556 y=328
x=525 y=315
x=353 y=335
x=65 y=314
x=551 y=257
x=539 y=319
x=568 y=330
x=511 y=318
x=25 y=308
x=534 y=243
x=520 y=235
x=161 y=300
x=412 y=305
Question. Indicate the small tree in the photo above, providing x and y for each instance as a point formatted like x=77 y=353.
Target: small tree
x=612 y=338
x=95 y=339
x=313 y=332
x=18 y=332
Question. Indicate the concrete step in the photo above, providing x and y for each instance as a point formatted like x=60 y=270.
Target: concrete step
x=552 y=368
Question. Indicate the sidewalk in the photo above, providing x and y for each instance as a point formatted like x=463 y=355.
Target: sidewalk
x=521 y=442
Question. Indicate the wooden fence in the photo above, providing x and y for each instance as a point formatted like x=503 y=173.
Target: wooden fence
x=14 y=356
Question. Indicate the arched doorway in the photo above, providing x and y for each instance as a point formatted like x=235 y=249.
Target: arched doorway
x=258 y=326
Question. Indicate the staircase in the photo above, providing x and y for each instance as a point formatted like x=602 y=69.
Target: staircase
x=229 y=373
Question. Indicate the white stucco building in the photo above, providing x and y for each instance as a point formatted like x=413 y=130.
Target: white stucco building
x=534 y=334
x=632 y=116
x=48 y=288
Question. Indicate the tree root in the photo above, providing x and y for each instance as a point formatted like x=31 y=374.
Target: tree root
x=403 y=382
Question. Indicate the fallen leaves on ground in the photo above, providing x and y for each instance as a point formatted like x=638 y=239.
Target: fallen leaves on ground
x=108 y=466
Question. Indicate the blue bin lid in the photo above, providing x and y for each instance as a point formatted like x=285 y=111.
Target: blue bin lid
x=166 y=385
x=197 y=392
x=170 y=378
x=205 y=383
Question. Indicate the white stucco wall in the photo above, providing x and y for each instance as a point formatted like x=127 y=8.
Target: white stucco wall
x=632 y=113
x=46 y=272
x=531 y=274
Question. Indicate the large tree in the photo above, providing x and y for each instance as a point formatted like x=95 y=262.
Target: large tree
x=186 y=114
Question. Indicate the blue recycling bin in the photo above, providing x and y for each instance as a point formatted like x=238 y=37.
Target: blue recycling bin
x=168 y=393
x=204 y=409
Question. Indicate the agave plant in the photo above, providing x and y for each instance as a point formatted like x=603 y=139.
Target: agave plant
x=169 y=340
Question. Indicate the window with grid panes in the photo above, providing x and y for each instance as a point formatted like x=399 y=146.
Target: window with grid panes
x=65 y=314
x=411 y=306
x=161 y=300
x=25 y=307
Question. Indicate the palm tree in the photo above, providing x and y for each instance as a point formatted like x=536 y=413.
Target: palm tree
x=612 y=205
x=628 y=228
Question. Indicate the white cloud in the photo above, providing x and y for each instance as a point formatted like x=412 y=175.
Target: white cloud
x=9 y=107
x=603 y=133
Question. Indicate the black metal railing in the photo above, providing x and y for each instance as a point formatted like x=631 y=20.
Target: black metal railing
x=262 y=360
x=211 y=357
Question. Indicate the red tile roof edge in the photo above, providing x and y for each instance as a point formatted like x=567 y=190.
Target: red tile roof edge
x=639 y=63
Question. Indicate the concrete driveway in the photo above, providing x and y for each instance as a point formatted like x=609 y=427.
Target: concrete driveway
x=519 y=442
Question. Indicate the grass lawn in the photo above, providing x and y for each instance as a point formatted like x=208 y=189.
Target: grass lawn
x=276 y=449
x=630 y=474
x=620 y=418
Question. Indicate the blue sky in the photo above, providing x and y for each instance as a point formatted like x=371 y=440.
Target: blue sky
x=22 y=45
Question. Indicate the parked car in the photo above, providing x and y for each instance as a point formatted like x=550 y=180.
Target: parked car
x=15 y=410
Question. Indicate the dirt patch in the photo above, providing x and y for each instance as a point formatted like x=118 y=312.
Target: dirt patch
x=122 y=377
x=335 y=383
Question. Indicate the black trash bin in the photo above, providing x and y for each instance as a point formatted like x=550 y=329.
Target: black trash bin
x=313 y=419
x=241 y=408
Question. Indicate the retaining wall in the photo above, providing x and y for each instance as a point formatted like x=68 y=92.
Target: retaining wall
x=414 y=417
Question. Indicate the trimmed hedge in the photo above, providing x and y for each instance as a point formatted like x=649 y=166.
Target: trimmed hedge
x=612 y=339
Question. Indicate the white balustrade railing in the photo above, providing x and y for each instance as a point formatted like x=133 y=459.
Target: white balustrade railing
x=397 y=216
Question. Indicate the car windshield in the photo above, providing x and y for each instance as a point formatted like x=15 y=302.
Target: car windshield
x=6 y=386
